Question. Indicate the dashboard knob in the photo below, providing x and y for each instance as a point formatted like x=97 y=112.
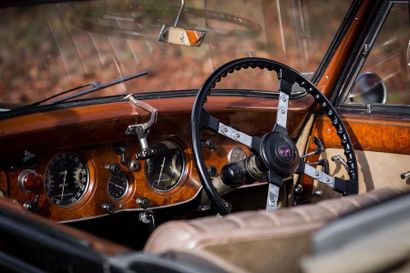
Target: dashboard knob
x=143 y=202
x=28 y=180
x=31 y=205
x=114 y=168
x=208 y=143
x=133 y=165
x=108 y=207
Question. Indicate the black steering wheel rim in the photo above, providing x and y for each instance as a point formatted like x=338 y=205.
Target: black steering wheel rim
x=288 y=77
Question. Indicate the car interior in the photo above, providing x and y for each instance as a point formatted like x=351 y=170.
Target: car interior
x=194 y=136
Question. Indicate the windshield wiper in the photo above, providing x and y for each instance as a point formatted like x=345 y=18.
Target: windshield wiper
x=94 y=86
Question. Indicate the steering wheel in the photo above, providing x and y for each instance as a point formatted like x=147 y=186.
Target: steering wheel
x=275 y=155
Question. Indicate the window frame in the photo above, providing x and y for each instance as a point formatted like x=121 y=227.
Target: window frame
x=358 y=62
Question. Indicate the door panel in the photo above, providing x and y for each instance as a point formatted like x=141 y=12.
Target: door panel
x=382 y=147
x=376 y=169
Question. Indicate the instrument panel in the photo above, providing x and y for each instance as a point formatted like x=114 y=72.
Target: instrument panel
x=79 y=184
x=72 y=178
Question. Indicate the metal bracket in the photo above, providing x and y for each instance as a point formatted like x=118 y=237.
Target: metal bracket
x=141 y=130
x=366 y=49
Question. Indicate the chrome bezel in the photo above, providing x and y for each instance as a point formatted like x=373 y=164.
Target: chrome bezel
x=175 y=144
x=126 y=189
x=20 y=178
x=87 y=179
x=231 y=154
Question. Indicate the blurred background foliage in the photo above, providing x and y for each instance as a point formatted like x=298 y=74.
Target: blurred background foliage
x=48 y=48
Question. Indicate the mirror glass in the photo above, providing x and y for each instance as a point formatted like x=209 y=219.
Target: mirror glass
x=368 y=89
x=181 y=36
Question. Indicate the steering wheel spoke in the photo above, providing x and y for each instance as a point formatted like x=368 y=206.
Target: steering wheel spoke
x=275 y=182
x=212 y=123
x=319 y=175
x=282 y=114
x=339 y=185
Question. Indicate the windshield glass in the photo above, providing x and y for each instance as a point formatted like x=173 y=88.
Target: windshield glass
x=48 y=48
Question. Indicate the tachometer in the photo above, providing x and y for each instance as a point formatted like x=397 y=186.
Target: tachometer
x=165 y=169
x=67 y=179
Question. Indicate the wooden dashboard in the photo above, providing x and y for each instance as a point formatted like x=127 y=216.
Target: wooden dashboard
x=93 y=132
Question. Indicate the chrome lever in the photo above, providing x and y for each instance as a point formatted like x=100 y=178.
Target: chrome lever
x=405 y=175
x=132 y=129
x=318 y=150
x=142 y=130
x=339 y=159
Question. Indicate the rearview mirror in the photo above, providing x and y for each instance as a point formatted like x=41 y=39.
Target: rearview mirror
x=369 y=88
x=181 y=36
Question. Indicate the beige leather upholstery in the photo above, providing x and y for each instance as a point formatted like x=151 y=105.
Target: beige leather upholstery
x=259 y=241
x=376 y=169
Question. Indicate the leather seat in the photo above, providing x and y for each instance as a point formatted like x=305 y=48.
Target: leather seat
x=260 y=241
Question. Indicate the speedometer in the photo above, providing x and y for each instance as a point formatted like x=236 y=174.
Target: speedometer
x=165 y=169
x=67 y=179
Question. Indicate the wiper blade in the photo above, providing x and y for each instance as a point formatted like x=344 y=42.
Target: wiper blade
x=92 y=84
x=95 y=86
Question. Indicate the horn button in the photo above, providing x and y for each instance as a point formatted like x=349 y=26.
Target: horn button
x=279 y=153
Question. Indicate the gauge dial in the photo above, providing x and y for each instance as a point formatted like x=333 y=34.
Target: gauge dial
x=118 y=185
x=236 y=154
x=67 y=179
x=165 y=169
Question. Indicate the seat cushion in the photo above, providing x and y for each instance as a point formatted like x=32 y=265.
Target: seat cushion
x=260 y=241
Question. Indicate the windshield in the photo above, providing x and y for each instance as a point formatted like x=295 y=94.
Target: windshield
x=48 y=48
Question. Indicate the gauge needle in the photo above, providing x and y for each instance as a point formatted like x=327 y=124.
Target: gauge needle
x=118 y=186
x=64 y=178
x=160 y=172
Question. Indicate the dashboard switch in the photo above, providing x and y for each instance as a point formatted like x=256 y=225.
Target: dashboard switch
x=121 y=149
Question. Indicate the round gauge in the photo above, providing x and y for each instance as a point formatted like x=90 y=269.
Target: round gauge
x=118 y=185
x=164 y=170
x=236 y=154
x=67 y=179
